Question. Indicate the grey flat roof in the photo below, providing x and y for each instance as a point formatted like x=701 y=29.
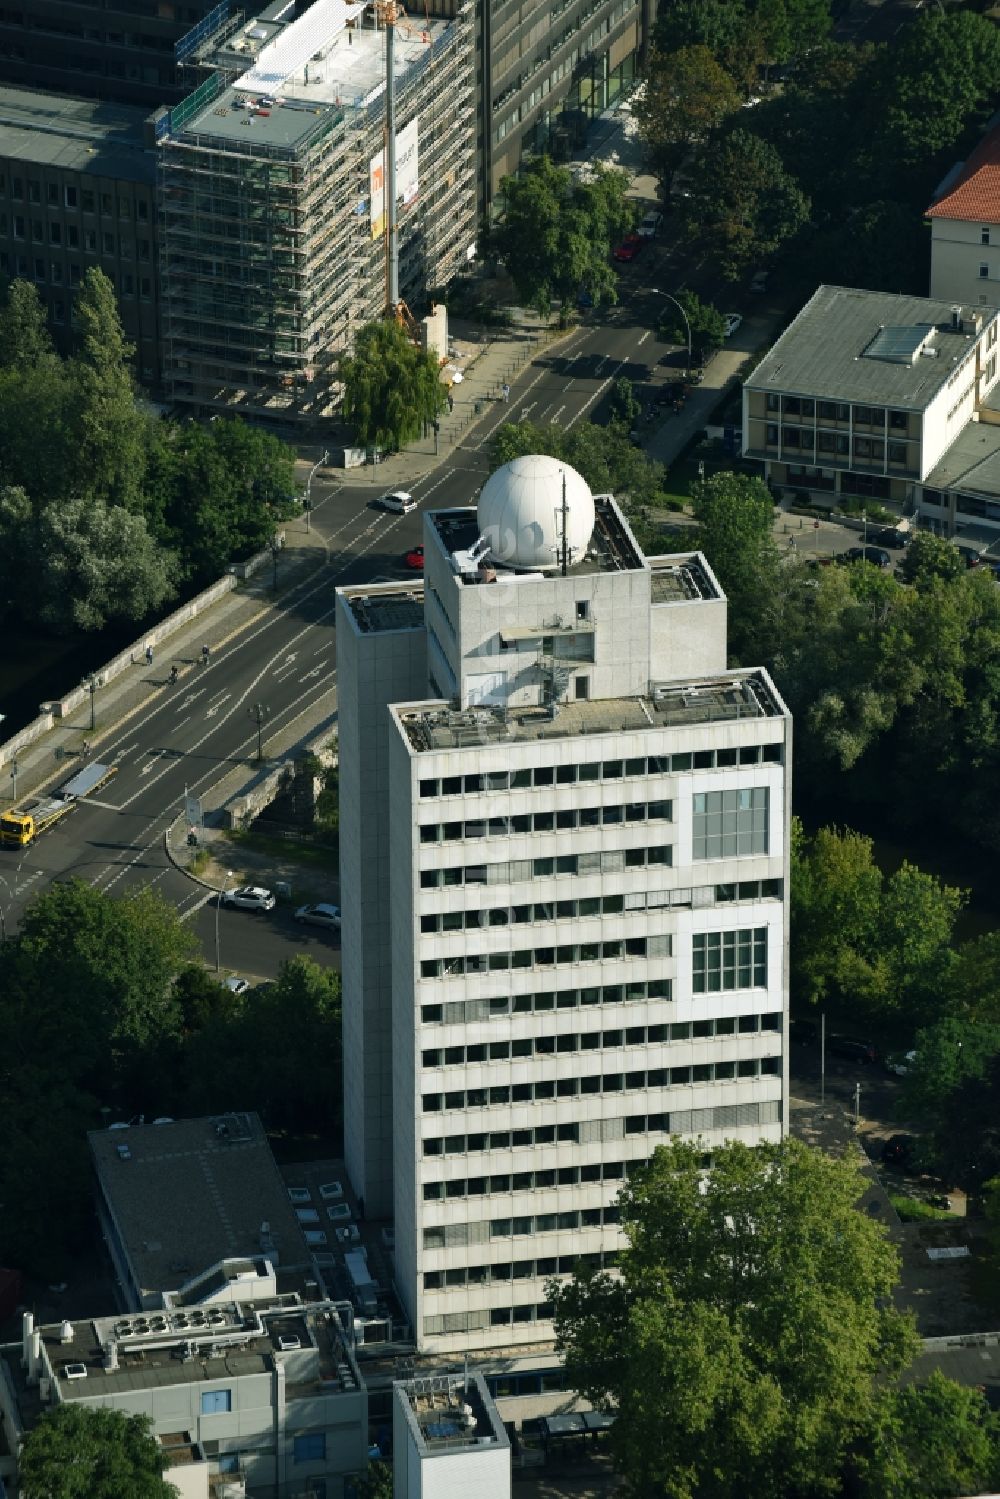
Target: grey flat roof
x=737 y=696
x=822 y=353
x=387 y=606
x=972 y=463
x=680 y=579
x=194 y=1192
x=76 y=135
x=351 y=76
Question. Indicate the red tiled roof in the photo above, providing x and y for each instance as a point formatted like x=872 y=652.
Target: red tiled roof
x=975 y=194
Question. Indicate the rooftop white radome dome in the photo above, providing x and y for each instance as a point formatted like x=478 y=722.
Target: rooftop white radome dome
x=520 y=513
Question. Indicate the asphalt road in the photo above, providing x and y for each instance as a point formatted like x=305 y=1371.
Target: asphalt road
x=185 y=741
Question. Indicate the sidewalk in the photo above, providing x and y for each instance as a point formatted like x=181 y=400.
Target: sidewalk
x=51 y=759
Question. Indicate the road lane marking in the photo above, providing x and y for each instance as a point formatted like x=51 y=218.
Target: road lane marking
x=181 y=721
x=211 y=712
x=189 y=698
x=155 y=755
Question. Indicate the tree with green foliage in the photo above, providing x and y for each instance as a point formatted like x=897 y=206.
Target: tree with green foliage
x=391 y=388
x=876 y=948
x=687 y=95
x=938 y=80
x=78 y=1452
x=25 y=342
x=935 y=1440
x=555 y=233
x=623 y=403
x=706 y=322
x=882 y=246
x=735 y=515
x=742 y=202
x=728 y=29
x=376 y=1483
x=603 y=455
x=110 y=431
x=218 y=492
x=742 y=1340
x=81 y=563
x=929 y=558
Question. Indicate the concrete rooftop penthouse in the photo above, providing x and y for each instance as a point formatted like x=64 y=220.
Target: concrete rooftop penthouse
x=178 y=1197
x=350 y=76
x=737 y=696
x=852 y=345
x=76 y=135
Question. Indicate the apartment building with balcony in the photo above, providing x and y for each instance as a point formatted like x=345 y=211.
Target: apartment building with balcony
x=866 y=395
x=564 y=864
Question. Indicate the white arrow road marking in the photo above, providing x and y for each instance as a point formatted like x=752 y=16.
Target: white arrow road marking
x=211 y=712
x=127 y=749
x=189 y=699
x=154 y=755
x=286 y=663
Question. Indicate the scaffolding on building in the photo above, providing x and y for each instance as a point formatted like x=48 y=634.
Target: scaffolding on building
x=270 y=258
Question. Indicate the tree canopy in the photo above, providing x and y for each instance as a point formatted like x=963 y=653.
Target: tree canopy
x=391 y=388
x=742 y=201
x=735 y=515
x=741 y=1343
x=555 y=233
x=603 y=455
x=76 y=1452
x=106 y=510
x=687 y=94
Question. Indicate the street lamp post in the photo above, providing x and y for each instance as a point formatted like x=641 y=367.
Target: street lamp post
x=259 y=714
x=309 y=481
x=13 y=778
x=658 y=293
x=275 y=549
x=218 y=902
x=90 y=682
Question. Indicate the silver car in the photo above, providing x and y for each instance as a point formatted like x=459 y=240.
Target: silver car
x=320 y=915
x=399 y=501
x=249 y=898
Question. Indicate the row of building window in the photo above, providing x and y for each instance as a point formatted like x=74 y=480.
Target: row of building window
x=124 y=284
x=69 y=196
x=545 y=957
x=870 y=449
x=599 y=770
x=838 y=411
x=547 y=911
x=549 y=1264
x=583 y=1132
x=467 y=1011
x=728 y=824
x=546 y=822
x=597 y=1083
x=497 y=1316
x=630 y=1035
x=510 y=871
x=681 y=1122
x=72 y=239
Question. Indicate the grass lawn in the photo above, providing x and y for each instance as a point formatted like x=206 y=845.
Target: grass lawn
x=912 y=1210
x=682 y=474
x=319 y=855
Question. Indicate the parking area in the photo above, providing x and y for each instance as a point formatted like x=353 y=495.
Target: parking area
x=861 y=1101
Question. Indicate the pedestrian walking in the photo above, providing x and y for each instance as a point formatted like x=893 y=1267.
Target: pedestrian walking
x=451 y=403
x=505 y=391
x=173 y=675
x=149 y=655
x=205 y=654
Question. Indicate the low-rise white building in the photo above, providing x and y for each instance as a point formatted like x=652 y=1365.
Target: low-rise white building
x=448 y=1440
x=575 y=928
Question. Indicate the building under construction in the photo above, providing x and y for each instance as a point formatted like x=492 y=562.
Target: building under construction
x=274 y=214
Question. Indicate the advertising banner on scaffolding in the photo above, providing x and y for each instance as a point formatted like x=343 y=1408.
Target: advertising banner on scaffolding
x=407 y=177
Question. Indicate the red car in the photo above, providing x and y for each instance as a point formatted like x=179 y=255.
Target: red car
x=629 y=247
x=415 y=559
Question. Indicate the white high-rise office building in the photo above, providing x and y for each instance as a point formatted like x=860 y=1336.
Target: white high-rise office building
x=564 y=839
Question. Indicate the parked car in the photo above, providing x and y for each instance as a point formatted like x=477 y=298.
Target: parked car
x=319 y=915
x=399 y=501
x=236 y=985
x=899 y=1150
x=899 y=1062
x=877 y=556
x=414 y=559
x=891 y=536
x=758 y=281
x=850 y=1046
x=730 y=322
x=650 y=224
x=629 y=248
x=249 y=898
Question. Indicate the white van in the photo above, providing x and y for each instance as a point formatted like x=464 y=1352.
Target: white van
x=398 y=501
